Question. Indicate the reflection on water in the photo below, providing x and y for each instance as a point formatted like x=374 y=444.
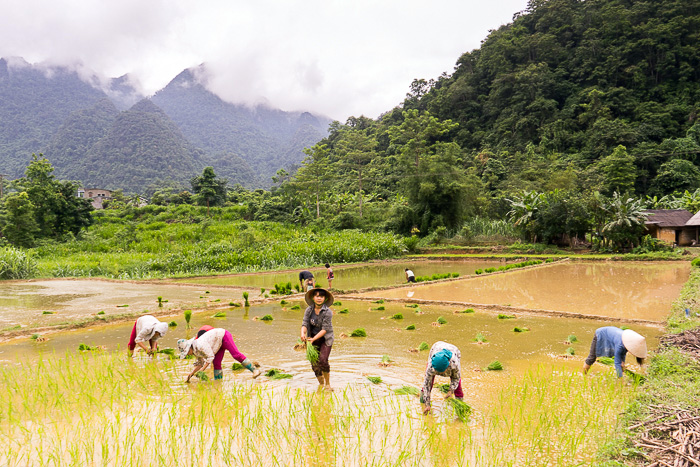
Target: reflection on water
x=613 y=289
x=351 y=277
x=352 y=359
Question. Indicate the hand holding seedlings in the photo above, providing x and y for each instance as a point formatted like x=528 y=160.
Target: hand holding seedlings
x=443 y=360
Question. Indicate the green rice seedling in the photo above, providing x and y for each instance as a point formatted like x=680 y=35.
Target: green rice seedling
x=380 y=301
x=85 y=347
x=397 y=316
x=468 y=310
x=234 y=304
x=297 y=287
x=479 y=272
x=635 y=377
x=480 y=338
x=101 y=312
x=188 y=317
x=219 y=314
x=217 y=300
x=47 y=312
x=337 y=303
x=494 y=366
x=122 y=306
x=454 y=274
x=276 y=374
x=379 y=308
x=295 y=307
x=423 y=346
x=202 y=376
x=406 y=391
x=444 y=388
x=359 y=332
x=411 y=305
x=262 y=291
x=172 y=324
x=461 y=409
x=517 y=329
x=283 y=302
x=245 y=298
x=386 y=359
x=606 y=360
x=623 y=327
x=237 y=367
x=344 y=311
x=12 y=328
x=160 y=301
x=441 y=320
x=411 y=327
x=311 y=353
x=502 y=316
x=571 y=339
x=570 y=351
x=167 y=351
x=374 y=379
x=267 y=318
x=206 y=291
x=35 y=336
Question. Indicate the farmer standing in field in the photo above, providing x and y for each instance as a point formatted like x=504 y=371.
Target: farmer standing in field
x=329 y=276
x=146 y=329
x=210 y=348
x=610 y=341
x=306 y=281
x=317 y=330
x=444 y=360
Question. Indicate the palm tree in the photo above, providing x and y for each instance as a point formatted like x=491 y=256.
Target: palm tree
x=523 y=211
x=625 y=217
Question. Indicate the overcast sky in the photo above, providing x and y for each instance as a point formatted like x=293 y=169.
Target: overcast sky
x=338 y=58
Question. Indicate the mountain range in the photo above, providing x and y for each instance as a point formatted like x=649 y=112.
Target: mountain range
x=107 y=135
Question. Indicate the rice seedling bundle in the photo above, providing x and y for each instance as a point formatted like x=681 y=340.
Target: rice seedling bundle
x=267 y=318
x=468 y=310
x=494 y=366
x=160 y=301
x=386 y=359
x=101 y=312
x=35 y=336
x=311 y=353
x=635 y=377
x=188 y=316
x=276 y=374
x=219 y=314
x=202 y=376
x=167 y=351
x=47 y=312
x=480 y=337
x=502 y=316
x=359 y=332
x=374 y=379
x=570 y=351
x=344 y=311
x=606 y=360
x=423 y=346
x=172 y=324
x=337 y=303
x=517 y=329
x=84 y=347
x=571 y=339
x=295 y=307
x=380 y=301
x=406 y=391
x=461 y=409
x=245 y=298
x=234 y=304
x=283 y=302
x=411 y=305
x=397 y=316
x=442 y=320
x=444 y=388
x=237 y=367
x=122 y=306
x=411 y=327
x=379 y=308
x=262 y=291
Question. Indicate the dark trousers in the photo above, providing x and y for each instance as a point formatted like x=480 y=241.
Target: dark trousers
x=322 y=366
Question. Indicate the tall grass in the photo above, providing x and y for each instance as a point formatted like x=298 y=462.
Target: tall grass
x=104 y=409
x=170 y=243
x=16 y=264
x=480 y=229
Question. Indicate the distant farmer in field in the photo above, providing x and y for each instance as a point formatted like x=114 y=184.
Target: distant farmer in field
x=444 y=360
x=317 y=330
x=146 y=329
x=329 y=276
x=306 y=281
x=610 y=341
x=210 y=348
x=410 y=277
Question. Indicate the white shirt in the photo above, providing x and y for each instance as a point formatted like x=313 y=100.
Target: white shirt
x=146 y=328
x=206 y=346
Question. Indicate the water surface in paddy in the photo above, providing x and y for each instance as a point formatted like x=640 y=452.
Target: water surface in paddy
x=352 y=359
x=351 y=277
x=612 y=289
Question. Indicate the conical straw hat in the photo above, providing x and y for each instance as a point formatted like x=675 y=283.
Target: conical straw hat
x=635 y=343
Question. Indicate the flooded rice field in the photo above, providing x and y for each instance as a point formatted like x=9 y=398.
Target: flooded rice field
x=353 y=277
x=620 y=290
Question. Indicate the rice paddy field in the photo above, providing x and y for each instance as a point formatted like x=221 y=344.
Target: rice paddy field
x=61 y=406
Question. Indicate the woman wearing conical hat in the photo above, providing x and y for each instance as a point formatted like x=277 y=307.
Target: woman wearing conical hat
x=317 y=330
x=610 y=341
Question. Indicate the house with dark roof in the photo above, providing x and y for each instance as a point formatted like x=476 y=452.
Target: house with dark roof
x=675 y=226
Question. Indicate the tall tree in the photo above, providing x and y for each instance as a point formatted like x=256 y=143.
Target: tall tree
x=209 y=189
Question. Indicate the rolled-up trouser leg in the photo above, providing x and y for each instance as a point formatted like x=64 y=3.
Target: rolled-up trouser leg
x=132 y=339
x=590 y=360
x=322 y=364
x=459 y=394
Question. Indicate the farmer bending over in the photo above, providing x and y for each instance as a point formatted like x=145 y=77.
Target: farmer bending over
x=146 y=329
x=317 y=330
x=444 y=360
x=306 y=280
x=210 y=347
x=610 y=341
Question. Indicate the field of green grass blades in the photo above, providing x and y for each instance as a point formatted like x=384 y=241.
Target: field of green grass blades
x=104 y=409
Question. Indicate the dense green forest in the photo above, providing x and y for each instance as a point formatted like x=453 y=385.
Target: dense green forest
x=564 y=126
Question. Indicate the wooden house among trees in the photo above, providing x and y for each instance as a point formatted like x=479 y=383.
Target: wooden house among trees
x=675 y=226
x=95 y=195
